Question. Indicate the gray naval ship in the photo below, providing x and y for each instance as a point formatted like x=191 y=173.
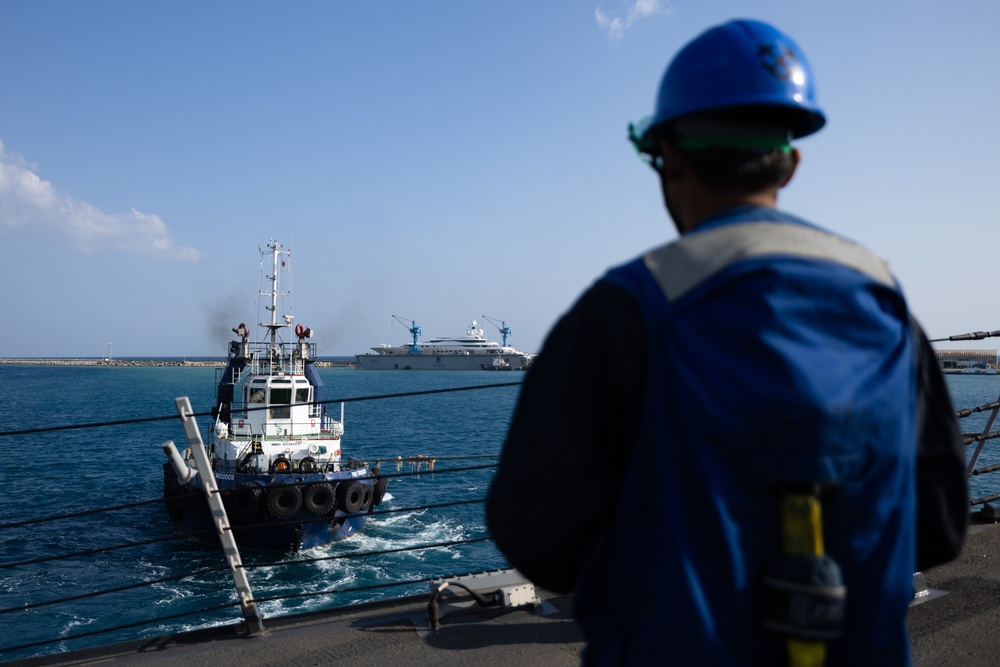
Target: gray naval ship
x=471 y=352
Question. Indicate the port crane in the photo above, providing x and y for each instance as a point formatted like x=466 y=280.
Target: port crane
x=504 y=329
x=414 y=331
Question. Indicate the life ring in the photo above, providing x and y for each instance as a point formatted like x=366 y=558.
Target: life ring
x=280 y=465
x=300 y=330
x=349 y=496
x=319 y=498
x=284 y=500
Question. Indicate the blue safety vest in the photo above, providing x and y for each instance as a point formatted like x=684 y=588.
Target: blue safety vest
x=777 y=353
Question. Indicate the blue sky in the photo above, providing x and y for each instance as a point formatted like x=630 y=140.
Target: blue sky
x=441 y=160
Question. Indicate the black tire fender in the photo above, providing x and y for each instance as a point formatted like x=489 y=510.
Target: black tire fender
x=319 y=498
x=366 y=497
x=349 y=496
x=284 y=500
x=379 y=492
x=243 y=502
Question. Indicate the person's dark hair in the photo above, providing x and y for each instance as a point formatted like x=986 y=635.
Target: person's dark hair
x=739 y=169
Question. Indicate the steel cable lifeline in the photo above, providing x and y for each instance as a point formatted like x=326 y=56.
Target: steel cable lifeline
x=126 y=626
x=141 y=420
x=958 y=413
x=982 y=408
x=383 y=552
x=985 y=469
x=274 y=598
x=395 y=510
x=357 y=589
x=112 y=508
x=969 y=438
x=118 y=589
x=419 y=460
x=206 y=610
x=975 y=335
x=76 y=515
x=212 y=570
x=168 y=538
x=89 y=552
x=981 y=439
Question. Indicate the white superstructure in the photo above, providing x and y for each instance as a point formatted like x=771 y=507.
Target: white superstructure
x=469 y=352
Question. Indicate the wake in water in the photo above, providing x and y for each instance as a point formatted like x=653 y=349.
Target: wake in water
x=396 y=539
x=103 y=467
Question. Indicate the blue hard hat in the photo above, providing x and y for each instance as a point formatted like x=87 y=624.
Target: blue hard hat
x=746 y=67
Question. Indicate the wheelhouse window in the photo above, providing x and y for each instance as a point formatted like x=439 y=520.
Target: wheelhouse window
x=281 y=398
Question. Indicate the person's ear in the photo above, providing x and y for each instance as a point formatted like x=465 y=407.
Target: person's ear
x=674 y=166
x=796 y=157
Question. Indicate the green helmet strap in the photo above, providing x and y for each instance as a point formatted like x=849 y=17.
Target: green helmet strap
x=735 y=141
x=694 y=133
x=697 y=133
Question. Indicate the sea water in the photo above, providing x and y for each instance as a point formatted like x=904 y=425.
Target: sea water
x=56 y=472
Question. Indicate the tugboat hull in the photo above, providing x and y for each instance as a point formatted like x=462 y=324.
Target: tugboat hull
x=271 y=513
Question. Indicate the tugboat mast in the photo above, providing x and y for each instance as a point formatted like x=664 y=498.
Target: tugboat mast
x=273 y=326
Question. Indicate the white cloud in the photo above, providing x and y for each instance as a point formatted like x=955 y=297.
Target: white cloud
x=640 y=9
x=30 y=205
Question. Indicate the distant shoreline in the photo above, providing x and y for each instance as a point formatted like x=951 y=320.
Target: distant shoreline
x=345 y=362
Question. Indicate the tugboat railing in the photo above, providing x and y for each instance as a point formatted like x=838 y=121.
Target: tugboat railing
x=317 y=427
x=279 y=359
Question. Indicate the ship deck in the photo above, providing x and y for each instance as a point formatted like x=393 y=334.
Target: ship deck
x=953 y=626
x=958 y=628
x=386 y=633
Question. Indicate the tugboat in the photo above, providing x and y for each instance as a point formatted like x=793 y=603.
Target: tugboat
x=274 y=449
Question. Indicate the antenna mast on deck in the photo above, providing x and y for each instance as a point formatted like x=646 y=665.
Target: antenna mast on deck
x=277 y=264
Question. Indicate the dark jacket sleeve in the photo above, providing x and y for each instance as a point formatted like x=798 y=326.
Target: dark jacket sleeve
x=575 y=421
x=942 y=487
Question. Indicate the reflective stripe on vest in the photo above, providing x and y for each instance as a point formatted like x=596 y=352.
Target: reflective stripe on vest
x=685 y=263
